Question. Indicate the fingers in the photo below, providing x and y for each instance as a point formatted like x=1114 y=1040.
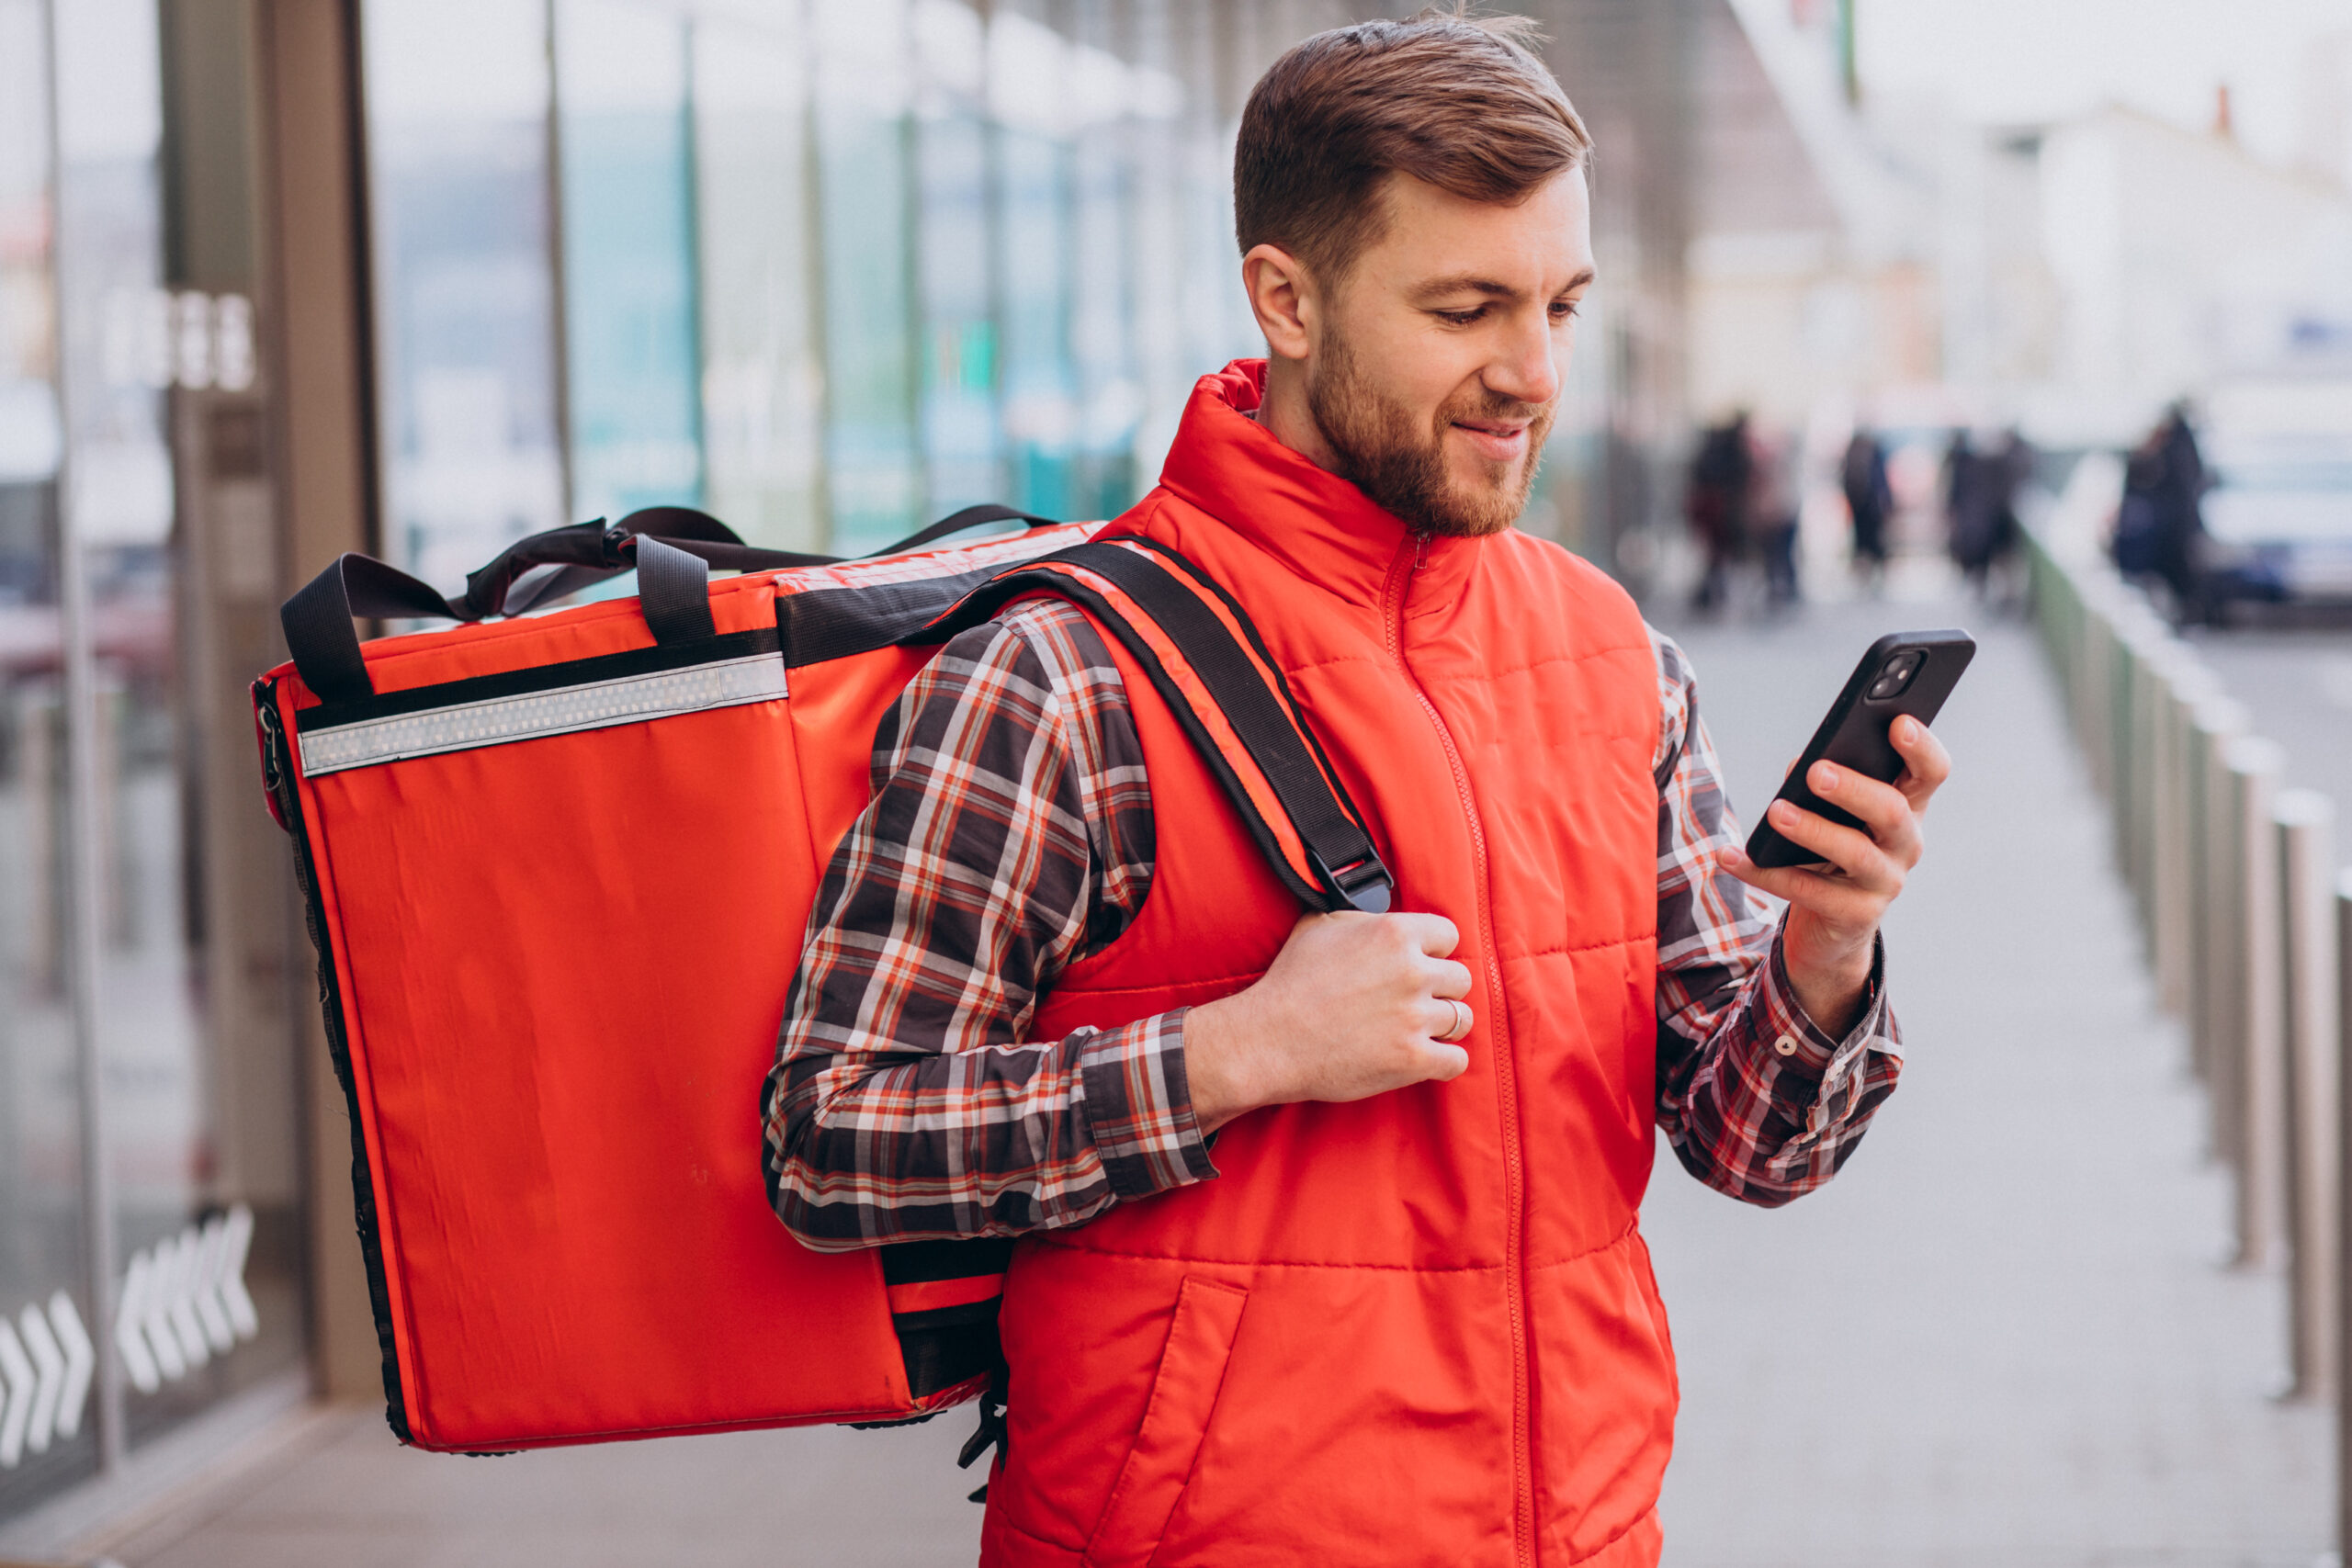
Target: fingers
x=1926 y=764
x=1446 y=1061
x=1836 y=899
x=1436 y=935
x=1448 y=1020
x=1447 y=978
x=1886 y=813
x=1850 y=850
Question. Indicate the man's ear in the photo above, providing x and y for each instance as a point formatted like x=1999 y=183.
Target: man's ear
x=1283 y=298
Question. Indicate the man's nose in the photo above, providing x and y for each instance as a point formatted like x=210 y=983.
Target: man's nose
x=1527 y=369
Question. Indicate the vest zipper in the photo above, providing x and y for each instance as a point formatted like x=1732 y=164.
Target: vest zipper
x=1400 y=584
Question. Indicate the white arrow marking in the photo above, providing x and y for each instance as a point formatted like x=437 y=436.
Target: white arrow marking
x=19 y=1373
x=163 y=1283
x=185 y=1324
x=50 y=1362
x=129 y=1324
x=236 y=1240
x=81 y=1360
x=209 y=1309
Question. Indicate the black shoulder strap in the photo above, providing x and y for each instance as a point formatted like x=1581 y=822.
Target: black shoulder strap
x=1255 y=741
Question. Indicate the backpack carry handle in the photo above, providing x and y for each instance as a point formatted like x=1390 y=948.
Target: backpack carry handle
x=671 y=548
x=590 y=552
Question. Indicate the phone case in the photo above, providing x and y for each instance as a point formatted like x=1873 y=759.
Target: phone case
x=1853 y=733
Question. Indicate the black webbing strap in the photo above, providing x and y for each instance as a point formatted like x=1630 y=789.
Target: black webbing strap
x=673 y=590
x=970 y=517
x=1348 y=871
x=325 y=644
x=318 y=621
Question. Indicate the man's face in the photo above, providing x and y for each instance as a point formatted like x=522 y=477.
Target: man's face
x=1436 y=365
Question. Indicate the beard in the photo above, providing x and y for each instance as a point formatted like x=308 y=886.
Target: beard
x=1401 y=464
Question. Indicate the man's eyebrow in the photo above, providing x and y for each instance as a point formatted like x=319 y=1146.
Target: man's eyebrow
x=1471 y=283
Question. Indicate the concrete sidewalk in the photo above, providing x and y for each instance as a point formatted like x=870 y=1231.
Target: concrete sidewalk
x=2004 y=1336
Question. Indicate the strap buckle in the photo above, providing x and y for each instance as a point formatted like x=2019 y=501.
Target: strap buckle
x=1365 y=884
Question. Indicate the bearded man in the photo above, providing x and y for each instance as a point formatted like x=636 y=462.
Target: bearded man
x=1405 y=1313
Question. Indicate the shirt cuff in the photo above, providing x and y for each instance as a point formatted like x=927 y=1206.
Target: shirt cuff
x=1139 y=1107
x=1799 y=1041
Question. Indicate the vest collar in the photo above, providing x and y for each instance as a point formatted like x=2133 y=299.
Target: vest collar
x=1319 y=525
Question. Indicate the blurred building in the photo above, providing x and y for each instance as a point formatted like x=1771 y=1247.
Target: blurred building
x=1812 y=257
x=281 y=279
x=2182 y=262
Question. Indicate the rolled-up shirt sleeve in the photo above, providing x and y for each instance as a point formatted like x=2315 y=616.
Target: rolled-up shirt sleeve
x=1009 y=834
x=1757 y=1100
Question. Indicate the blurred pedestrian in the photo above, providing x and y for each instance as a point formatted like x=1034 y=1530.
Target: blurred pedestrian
x=2178 y=498
x=1716 y=504
x=1981 y=486
x=1869 y=501
x=1772 y=510
x=2134 y=544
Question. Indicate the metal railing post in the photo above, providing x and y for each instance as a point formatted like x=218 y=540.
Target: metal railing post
x=2343 y=1325
x=2306 y=838
x=2092 y=726
x=2124 y=762
x=2213 y=1024
x=2177 y=931
x=2260 y=1068
x=2168 y=849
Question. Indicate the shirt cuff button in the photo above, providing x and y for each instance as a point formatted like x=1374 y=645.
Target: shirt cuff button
x=1786 y=1045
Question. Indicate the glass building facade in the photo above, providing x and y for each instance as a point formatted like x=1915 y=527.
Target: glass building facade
x=828 y=268
x=149 y=1250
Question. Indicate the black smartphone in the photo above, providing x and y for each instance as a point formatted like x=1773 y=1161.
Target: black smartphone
x=1903 y=673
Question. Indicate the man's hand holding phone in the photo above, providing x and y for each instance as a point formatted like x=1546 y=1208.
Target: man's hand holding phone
x=1834 y=911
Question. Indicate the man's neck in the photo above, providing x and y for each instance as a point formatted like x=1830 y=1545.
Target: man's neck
x=1287 y=416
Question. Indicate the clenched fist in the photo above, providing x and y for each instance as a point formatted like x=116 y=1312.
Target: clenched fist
x=1353 y=1006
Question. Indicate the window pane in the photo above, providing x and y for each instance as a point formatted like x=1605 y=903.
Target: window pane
x=962 y=444
x=627 y=258
x=457 y=147
x=1155 y=223
x=194 y=1201
x=763 y=388
x=1101 y=97
x=862 y=132
x=1027 y=84
x=41 y=1190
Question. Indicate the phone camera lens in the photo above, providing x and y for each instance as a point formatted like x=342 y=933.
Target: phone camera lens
x=1895 y=675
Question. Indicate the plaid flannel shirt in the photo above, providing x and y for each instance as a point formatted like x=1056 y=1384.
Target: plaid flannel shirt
x=1011 y=834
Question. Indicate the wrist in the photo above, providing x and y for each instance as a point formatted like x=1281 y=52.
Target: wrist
x=1216 y=1064
x=1829 y=971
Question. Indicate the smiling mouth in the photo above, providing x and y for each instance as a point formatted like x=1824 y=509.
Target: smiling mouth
x=1494 y=439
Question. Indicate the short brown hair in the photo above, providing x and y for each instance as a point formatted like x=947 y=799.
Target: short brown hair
x=1459 y=101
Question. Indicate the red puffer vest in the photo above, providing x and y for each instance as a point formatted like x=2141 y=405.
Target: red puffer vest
x=1420 y=1328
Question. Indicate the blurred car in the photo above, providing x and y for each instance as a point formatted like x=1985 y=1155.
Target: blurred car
x=2278 y=509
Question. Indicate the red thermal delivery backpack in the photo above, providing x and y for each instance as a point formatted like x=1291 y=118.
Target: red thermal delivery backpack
x=559 y=866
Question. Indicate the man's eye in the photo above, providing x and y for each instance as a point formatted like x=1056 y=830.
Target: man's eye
x=1562 y=310
x=1461 y=318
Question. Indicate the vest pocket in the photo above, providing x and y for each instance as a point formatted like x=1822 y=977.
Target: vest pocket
x=1175 y=1419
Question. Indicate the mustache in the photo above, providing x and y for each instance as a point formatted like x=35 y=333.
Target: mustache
x=1484 y=404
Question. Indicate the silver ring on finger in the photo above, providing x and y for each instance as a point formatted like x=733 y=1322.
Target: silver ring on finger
x=1462 y=1021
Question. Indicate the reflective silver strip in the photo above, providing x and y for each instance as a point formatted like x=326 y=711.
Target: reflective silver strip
x=632 y=699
